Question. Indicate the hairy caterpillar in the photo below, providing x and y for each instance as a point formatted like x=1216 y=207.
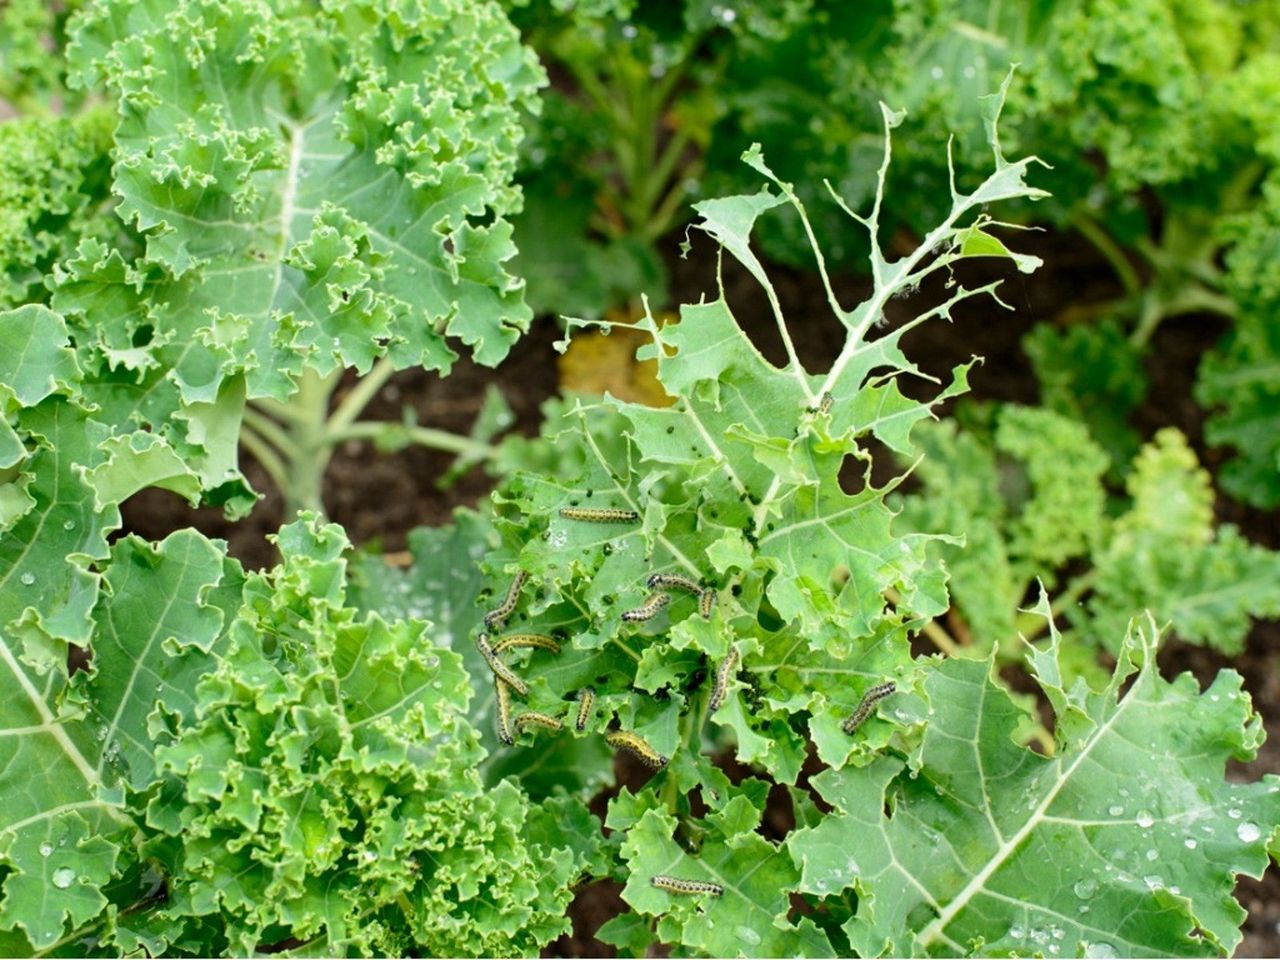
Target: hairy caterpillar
x=706 y=600
x=534 y=719
x=648 y=609
x=599 y=515
x=676 y=885
x=867 y=704
x=637 y=746
x=724 y=673
x=498 y=615
x=824 y=405
x=672 y=581
x=538 y=641
x=504 y=713
x=500 y=669
x=586 y=702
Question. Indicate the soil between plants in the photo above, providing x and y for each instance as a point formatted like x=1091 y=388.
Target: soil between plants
x=378 y=498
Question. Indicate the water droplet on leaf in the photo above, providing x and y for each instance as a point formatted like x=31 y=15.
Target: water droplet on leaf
x=1248 y=832
x=63 y=877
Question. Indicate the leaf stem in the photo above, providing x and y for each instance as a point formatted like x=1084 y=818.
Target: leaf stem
x=353 y=404
x=423 y=436
x=266 y=456
x=267 y=428
x=1096 y=234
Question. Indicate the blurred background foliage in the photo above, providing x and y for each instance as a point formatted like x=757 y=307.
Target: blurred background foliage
x=1158 y=117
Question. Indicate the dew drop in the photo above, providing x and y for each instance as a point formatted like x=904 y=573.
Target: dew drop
x=69 y=525
x=1099 y=949
x=28 y=579
x=63 y=877
x=1145 y=819
x=1152 y=855
x=1115 y=810
x=1153 y=882
x=1248 y=832
x=1190 y=843
x=1234 y=813
x=936 y=73
x=1086 y=888
x=46 y=848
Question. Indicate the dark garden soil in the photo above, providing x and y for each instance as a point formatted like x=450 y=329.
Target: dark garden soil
x=379 y=498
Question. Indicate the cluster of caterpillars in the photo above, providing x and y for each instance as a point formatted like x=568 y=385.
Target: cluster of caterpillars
x=507 y=682
x=661 y=585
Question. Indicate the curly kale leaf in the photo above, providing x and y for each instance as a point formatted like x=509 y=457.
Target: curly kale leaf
x=55 y=179
x=290 y=768
x=1125 y=842
x=326 y=789
x=1165 y=555
x=1029 y=498
x=1023 y=504
x=269 y=192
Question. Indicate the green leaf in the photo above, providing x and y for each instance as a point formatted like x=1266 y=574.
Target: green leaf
x=155 y=633
x=35 y=360
x=59 y=867
x=749 y=918
x=1126 y=841
x=322 y=785
x=1238 y=383
x=1092 y=373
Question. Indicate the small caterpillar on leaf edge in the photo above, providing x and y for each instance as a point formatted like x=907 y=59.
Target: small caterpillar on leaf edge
x=498 y=615
x=648 y=609
x=672 y=581
x=586 y=702
x=724 y=673
x=533 y=641
x=500 y=669
x=599 y=515
x=534 y=719
x=867 y=704
x=504 y=713
x=676 y=885
x=637 y=746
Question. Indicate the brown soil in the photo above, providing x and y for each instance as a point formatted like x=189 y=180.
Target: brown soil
x=379 y=498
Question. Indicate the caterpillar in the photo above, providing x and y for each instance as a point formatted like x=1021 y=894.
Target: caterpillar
x=672 y=581
x=867 y=704
x=637 y=746
x=599 y=515
x=534 y=641
x=706 y=600
x=824 y=405
x=676 y=885
x=648 y=609
x=724 y=673
x=586 y=702
x=498 y=615
x=504 y=713
x=534 y=719
x=500 y=669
